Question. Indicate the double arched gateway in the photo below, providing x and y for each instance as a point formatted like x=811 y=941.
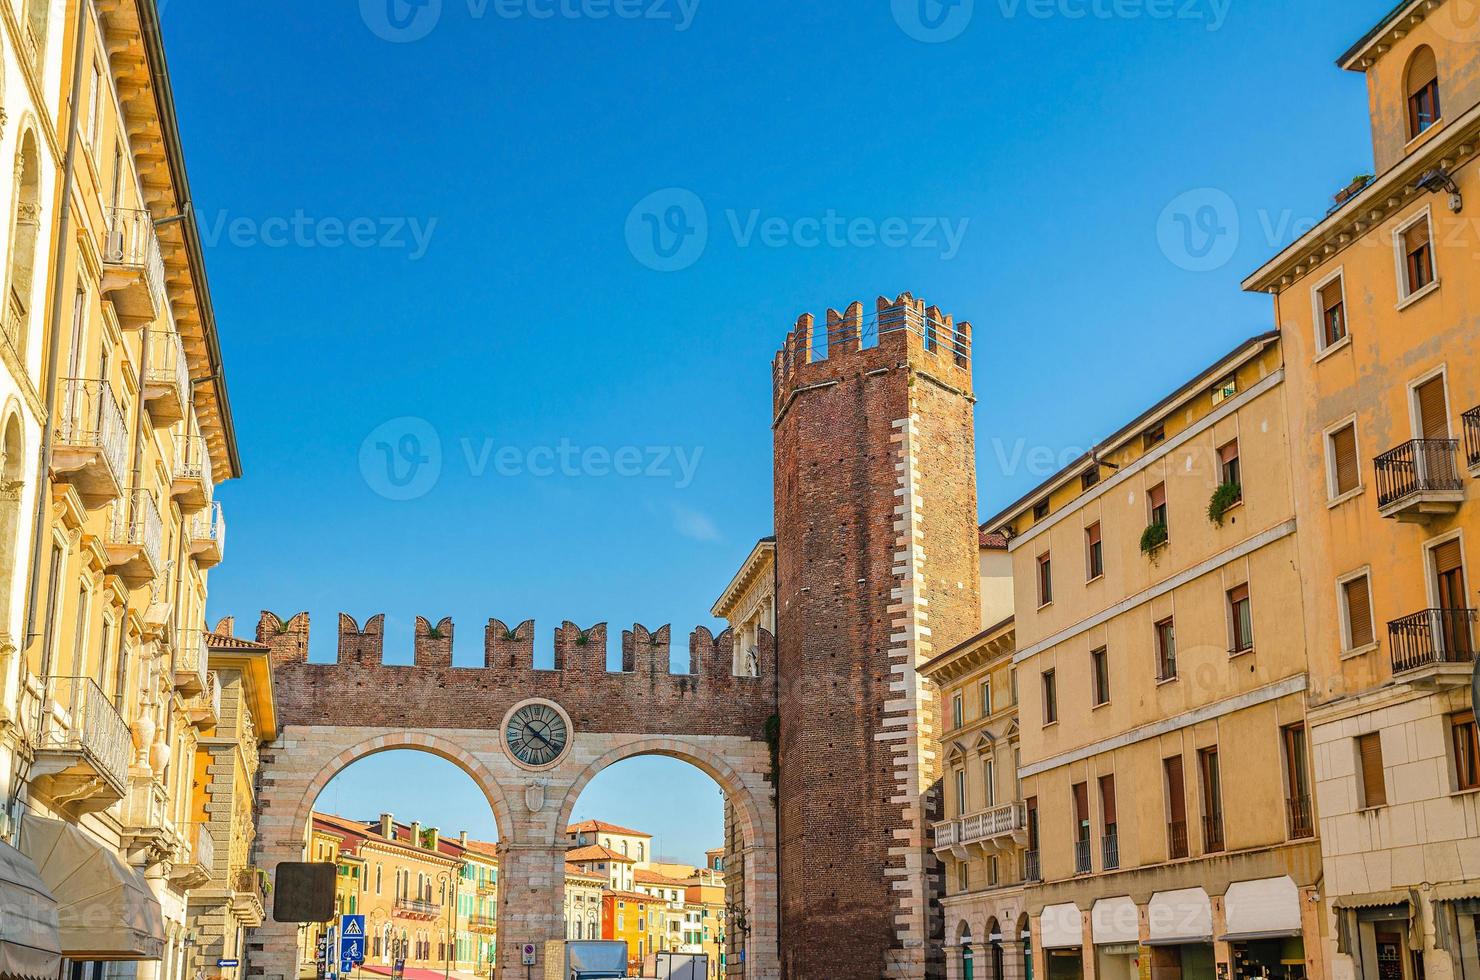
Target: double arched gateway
x=336 y=714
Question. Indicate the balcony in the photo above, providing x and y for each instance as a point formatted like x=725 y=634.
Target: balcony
x=416 y=908
x=91 y=445
x=196 y=858
x=1301 y=817
x=133 y=268
x=135 y=540
x=487 y=886
x=1471 y=421
x=1212 y=833
x=82 y=753
x=204 y=709
x=1419 y=480
x=1081 y=857
x=990 y=830
x=482 y=923
x=247 y=901
x=1032 y=867
x=1176 y=839
x=1433 y=648
x=1110 y=850
x=190 y=661
x=191 y=483
x=167 y=390
x=208 y=536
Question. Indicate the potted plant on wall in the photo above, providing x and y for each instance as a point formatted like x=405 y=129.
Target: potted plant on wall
x=1153 y=538
x=1223 y=501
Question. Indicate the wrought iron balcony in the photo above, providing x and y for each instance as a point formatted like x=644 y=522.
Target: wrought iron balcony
x=1110 y=851
x=482 y=923
x=83 y=750
x=1419 y=480
x=91 y=446
x=1471 y=421
x=1434 y=646
x=167 y=377
x=1212 y=833
x=190 y=661
x=416 y=908
x=133 y=266
x=204 y=708
x=208 y=536
x=192 y=485
x=1176 y=838
x=487 y=886
x=1082 y=864
x=1302 y=817
x=135 y=541
x=1032 y=869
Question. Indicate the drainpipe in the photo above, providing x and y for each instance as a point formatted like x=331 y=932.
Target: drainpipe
x=48 y=428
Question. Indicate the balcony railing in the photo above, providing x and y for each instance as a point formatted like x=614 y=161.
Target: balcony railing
x=1471 y=421
x=136 y=536
x=1081 y=857
x=1302 y=819
x=85 y=724
x=1213 y=833
x=190 y=660
x=1110 y=851
x=167 y=378
x=1417 y=474
x=1431 y=638
x=996 y=822
x=204 y=708
x=134 y=263
x=1032 y=870
x=482 y=923
x=15 y=325
x=416 y=908
x=197 y=857
x=947 y=834
x=192 y=484
x=208 y=536
x=1177 y=838
x=91 y=437
x=247 y=887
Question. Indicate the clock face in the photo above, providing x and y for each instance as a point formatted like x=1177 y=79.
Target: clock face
x=536 y=734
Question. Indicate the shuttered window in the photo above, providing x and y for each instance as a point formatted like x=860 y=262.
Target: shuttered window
x=1081 y=811
x=1176 y=808
x=1050 y=698
x=1423 y=91
x=1094 y=550
x=1045 y=579
x=1228 y=465
x=1447 y=557
x=1107 y=802
x=1369 y=752
x=1418 y=256
x=1466 y=750
x=1345 y=475
x=1156 y=498
x=1433 y=416
x=1357 y=594
x=1241 y=617
x=1333 y=313
x=1099 y=665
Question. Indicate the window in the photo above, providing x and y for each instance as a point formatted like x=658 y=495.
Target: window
x=1166 y=650
x=989 y=781
x=1229 y=471
x=1080 y=793
x=1417 y=256
x=1094 y=552
x=1462 y=735
x=1240 y=619
x=1012 y=684
x=1099 y=663
x=1050 y=698
x=1176 y=807
x=1212 y=799
x=956 y=716
x=1153 y=436
x=1156 y=502
x=1089 y=477
x=95 y=105
x=1045 y=579
x=1111 y=857
x=962 y=805
x=986 y=697
x=1040 y=510
x=1331 y=307
x=1356 y=612
x=1431 y=404
x=1341 y=453
x=1369 y=754
x=1423 y=91
x=963 y=876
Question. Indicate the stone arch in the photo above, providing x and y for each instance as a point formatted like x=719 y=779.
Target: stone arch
x=12 y=484
x=417 y=741
x=964 y=933
x=25 y=233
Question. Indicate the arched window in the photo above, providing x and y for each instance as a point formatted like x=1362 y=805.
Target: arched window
x=624 y=849
x=641 y=852
x=25 y=227
x=12 y=481
x=34 y=28
x=1422 y=89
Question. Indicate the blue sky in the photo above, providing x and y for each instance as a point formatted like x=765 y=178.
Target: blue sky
x=450 y=243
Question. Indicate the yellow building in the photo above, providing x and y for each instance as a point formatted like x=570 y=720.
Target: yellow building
x=1377 y=304
x=1158 y=633
x=109 y=336
x=981 y=840
x=670 y=893
x=627 y=916
x=628 y=843
x=704 y=919
x=477 y=912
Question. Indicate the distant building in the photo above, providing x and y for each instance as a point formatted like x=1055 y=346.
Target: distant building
x=583 y=891
x=617 y=869
x=627 y=915
x=629 y=843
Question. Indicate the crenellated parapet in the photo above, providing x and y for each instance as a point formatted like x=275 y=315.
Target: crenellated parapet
x=645 y=696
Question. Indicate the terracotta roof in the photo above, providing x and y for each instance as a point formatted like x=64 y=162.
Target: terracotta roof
x=601 y=826
x=575 y=871
x=992 y=540
x=653 y=878
x=629 y=896
x=582 y=855
x=220 y=641
x=357 y=831
x=483 y=848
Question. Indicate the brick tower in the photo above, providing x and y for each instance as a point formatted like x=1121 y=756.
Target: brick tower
x=876 y=571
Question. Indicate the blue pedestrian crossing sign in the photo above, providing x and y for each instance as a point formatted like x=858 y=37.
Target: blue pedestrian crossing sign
x=351 y=941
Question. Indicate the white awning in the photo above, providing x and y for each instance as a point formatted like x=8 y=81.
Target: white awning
x=1181 y=916
x=1061 y=926
x=1262 y=909
x=1115 y=920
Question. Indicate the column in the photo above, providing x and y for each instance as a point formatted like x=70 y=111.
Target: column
x=981 y=962
x=954 y=968
x=531 y=899
x=1012 y=960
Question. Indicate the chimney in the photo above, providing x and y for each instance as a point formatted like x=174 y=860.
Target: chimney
x=435 y=835
x=387 y=826
x=416 y=833
x=462 y=838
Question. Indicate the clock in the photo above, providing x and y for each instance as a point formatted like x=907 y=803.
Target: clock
x=537 y=733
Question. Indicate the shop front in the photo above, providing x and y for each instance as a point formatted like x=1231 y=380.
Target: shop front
x=1061 y=929
x=1382 y=933
x=1115 y=930
x=1263 y=929
x=1181 y=935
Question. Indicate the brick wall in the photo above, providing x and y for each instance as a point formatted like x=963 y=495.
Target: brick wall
x=875 y=500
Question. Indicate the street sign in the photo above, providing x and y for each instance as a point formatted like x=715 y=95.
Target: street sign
x=528 y=951
x=223 y=964
x=351 y=941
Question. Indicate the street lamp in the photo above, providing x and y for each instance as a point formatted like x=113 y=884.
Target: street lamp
x=449 y=884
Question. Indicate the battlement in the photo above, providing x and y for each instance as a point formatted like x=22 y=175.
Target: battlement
x=644 y=696
x=901 y=331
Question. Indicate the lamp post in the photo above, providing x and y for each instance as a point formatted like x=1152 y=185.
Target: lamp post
x=449 y=885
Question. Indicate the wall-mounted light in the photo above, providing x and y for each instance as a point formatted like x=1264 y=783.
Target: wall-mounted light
x=1439 y=179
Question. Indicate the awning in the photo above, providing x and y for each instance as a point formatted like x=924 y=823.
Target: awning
x=29 y=946
x=1371 y=900
x=1455 y=892
x=1181 y=916
x=1115 y=920
x=1268 y=908
x=1061 y=926
x=105 y=908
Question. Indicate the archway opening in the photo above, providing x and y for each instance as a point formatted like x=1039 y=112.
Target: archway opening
x=25 y=227
x=414 y=841
x=655 y=859
x=12 y=484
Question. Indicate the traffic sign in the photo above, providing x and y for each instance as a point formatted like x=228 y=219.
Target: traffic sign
x=528 y=951
x=228 y=963
x=351 y=940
